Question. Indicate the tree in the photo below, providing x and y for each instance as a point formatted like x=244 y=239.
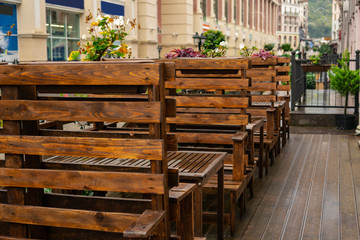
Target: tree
x=325 y=49
x=286 y=47
x=269 y=47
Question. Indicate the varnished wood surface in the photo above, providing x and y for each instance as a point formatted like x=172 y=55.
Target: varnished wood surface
x=312 y=192
x=80 y=73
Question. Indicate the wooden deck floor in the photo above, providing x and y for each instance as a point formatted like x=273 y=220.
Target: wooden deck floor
x=312 y=192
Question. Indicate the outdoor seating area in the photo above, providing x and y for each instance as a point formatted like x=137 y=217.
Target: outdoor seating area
x=163 y=136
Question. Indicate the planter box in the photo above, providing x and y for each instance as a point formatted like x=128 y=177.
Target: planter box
x=315 y=68
x=345 y=122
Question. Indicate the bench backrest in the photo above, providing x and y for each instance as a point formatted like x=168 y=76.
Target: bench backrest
x=23 y=143
x=211 y=118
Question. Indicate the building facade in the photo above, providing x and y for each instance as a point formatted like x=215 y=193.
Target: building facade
x=50 y=29
x=243 y=22
x=349 y=26
x=290 y=20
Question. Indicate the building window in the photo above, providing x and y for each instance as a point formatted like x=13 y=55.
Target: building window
x=9 y=44
x=227 y=11
x=64 y=34
x=242 y=3
x=216 y=9
x=203 y=8
x=235 y=10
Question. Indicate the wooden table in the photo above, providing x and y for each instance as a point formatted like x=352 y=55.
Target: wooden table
x=194 y=167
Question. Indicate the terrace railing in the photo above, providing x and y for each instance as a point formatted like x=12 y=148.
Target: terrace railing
x=312 y=89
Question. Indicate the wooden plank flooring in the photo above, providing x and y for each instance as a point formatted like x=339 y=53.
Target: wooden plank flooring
x=312 y=192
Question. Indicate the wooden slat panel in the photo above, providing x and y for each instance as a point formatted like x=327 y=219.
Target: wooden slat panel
x=204 y=138
x=282 y=78
x=83 y=180
x=215 y=63
x=208 y=110
x=283 y=68
x=262 y=98
x=208 y=83
x=263 y=72
x=255 y=61
x=283 y=87
x=208 y=73
x=283 y=60
x=263 y=86
x=99 y=73
x=218 y=119
x=204 y=101
x=261 y=79
x=81 y=219
x=88 y=147
x=257 y=112
x=137 y=112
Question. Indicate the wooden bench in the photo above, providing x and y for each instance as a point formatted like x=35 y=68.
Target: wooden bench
x=263 y=75
x=28 y=212
x=210 y=122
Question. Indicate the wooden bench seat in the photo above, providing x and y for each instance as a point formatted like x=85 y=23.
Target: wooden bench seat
x=23 y=145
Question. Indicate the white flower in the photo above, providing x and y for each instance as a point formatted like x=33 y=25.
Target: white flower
x=216 y=50
x=224 y=44
x=84 y=37
x=107 y=16
x=119 y=21
x=99 y=18
x=127 y=22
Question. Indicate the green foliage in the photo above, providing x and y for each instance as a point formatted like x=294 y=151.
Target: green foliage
x=247 y=51
x=320 y=18
x=325 y=48
x=215 y=44
x=310 y=81
x=269 y=47
x=344 y=80
x=286 y=47
x=315 y=59
x=286 y=55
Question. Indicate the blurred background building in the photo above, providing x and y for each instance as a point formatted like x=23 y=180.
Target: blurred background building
x=50 y=29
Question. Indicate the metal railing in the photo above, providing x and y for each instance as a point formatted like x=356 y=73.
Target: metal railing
x=313 y=89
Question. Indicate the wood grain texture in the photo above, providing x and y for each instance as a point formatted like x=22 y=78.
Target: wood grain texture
x=138 y=112
x=283 y=68
x=91 y=220
x=256 y=61
x=282 y=78
x=91 y=147
x=216 y=102
x=208 y=83
x=263 y=98
x=208 y=63
x=283 y=60
x=218 y=119
x=283 y=87
x=83 y=180
x=262 y=86
x=204 y=138
x=263 y=72
x=99 y=73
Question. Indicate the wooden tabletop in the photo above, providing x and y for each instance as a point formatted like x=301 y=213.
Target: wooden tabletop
x=193 y=166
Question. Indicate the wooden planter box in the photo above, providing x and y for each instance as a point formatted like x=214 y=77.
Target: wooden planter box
x=315 y=68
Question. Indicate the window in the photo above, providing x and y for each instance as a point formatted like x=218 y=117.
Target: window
x=227 y=11
x=203 y=8
x=8 y=45
x=235 y=10
x=242 y=3
x=64 y=30
x=216 y=9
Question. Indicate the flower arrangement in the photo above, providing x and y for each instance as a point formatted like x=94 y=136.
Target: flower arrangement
x=215 y=44
x=247 y=51
x=263 y=54
x=186 y=52
x=105 y=31
x=315 y=59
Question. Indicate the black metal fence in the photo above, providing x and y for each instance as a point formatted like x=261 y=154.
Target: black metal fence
x=312 y=89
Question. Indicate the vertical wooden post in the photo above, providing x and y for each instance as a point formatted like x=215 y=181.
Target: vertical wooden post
x=14 y=195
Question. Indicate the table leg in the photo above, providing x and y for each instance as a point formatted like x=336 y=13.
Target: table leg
x=283 y=128
x=198 y=226
x=261 y=153
x=220 y=223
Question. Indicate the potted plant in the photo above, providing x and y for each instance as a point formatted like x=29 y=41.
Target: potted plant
x=315 y=65
x=346 y=82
